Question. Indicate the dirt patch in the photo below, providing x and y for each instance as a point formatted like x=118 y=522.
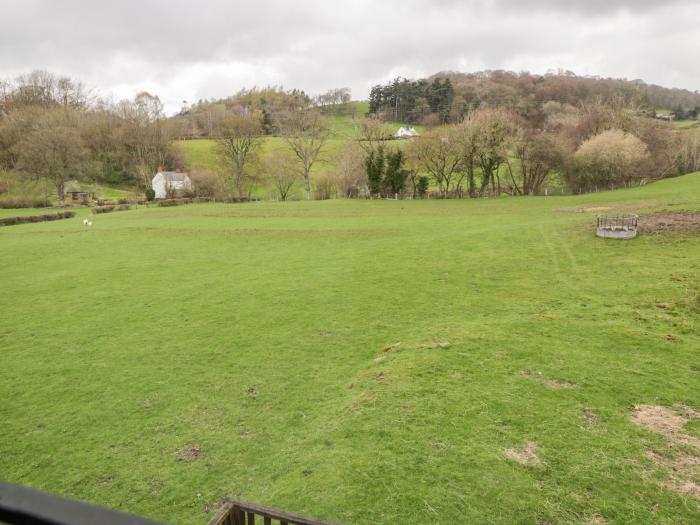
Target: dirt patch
x=189 y=453
x=596 y=520
x=667 y=421
x=525 y=455
x=630 y=207
x=589 y=419
x=586 y=209
x=364 y=398
x=664 y=222
x=554 y=384
x=389 y=348
x=155 y=484
x=681 y=462
x=433 y=344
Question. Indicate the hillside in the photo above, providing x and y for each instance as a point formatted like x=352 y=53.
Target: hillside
x=462 y=361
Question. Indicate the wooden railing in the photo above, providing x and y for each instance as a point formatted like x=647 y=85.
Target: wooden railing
x=236 y=512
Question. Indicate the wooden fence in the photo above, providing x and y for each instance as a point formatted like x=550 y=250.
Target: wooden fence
x=236 y=512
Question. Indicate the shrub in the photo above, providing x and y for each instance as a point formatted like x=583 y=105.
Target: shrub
x=25 y=202
x=24 y=219
x=111 y=208
x=422 y=186
x=150 y=194
x=612 y=158
x=173 y=202
x=239 y=199
x=206 y=184
x=325 y=187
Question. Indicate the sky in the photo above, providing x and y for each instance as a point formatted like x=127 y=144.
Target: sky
x=190 y=50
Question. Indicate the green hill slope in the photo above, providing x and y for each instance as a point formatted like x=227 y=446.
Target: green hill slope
x=462 y=361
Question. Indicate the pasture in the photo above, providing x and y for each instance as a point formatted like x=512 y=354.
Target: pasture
x=472 y=361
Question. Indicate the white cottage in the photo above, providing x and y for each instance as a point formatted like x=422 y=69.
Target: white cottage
x=170 y=182
x=406 y=133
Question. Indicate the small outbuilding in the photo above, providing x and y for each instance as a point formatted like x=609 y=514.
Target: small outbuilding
x=167 y=183
x=75 y=195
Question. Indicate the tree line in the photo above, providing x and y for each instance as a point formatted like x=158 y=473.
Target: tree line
x=447 y=97
x=491 y=151
x=52 y=128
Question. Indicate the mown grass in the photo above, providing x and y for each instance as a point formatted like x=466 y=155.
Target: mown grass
x=254 y=334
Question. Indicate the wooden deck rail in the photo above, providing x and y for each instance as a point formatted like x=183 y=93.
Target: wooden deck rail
x=236 y=512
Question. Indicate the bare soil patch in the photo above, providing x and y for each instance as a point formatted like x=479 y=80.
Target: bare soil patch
x=665 y=222
x=189 y=453
x=682 y=463
x=554 y=384
x=525 y=455
x=589 y=419
x=390 y=347
x=558 y=385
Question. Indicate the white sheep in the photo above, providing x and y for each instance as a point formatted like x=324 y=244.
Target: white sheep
x=87 y=222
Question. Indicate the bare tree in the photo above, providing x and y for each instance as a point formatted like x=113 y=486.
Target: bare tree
x=352 y=177
x=306 y=133
x=281 y=168
x=371 y=133
x=52 y=151
x=144 y=136
x=437 y=152
x=238 y=141
x=485 y=138
x=538 y=154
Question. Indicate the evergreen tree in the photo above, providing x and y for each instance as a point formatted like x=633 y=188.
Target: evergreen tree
x=395 y=174
x=374 y=166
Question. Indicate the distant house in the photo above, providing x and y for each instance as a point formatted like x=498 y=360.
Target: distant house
x=75 y=195
x=167 y=183
x=406 y=133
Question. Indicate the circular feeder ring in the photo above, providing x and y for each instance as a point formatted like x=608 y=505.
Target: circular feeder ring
x=617 y=227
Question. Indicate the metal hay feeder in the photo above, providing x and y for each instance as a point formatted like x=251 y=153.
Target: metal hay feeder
x=618 y=227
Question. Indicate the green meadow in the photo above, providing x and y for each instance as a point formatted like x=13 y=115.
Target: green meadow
x=201 y=153
x=368 y=362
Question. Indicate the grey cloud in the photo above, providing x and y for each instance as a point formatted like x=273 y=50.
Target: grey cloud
x=186 y=50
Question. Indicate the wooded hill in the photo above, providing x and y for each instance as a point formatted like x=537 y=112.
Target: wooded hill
x=448 y=96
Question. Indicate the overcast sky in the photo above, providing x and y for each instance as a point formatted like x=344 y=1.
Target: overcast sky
x=186 y=50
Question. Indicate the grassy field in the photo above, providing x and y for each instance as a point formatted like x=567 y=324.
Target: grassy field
x=362 y=361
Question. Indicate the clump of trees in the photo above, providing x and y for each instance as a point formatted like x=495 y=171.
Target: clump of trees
x=416 y=101
x=52 y=128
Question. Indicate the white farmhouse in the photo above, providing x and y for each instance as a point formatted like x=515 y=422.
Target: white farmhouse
x=169 y=182
x=406 y=133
